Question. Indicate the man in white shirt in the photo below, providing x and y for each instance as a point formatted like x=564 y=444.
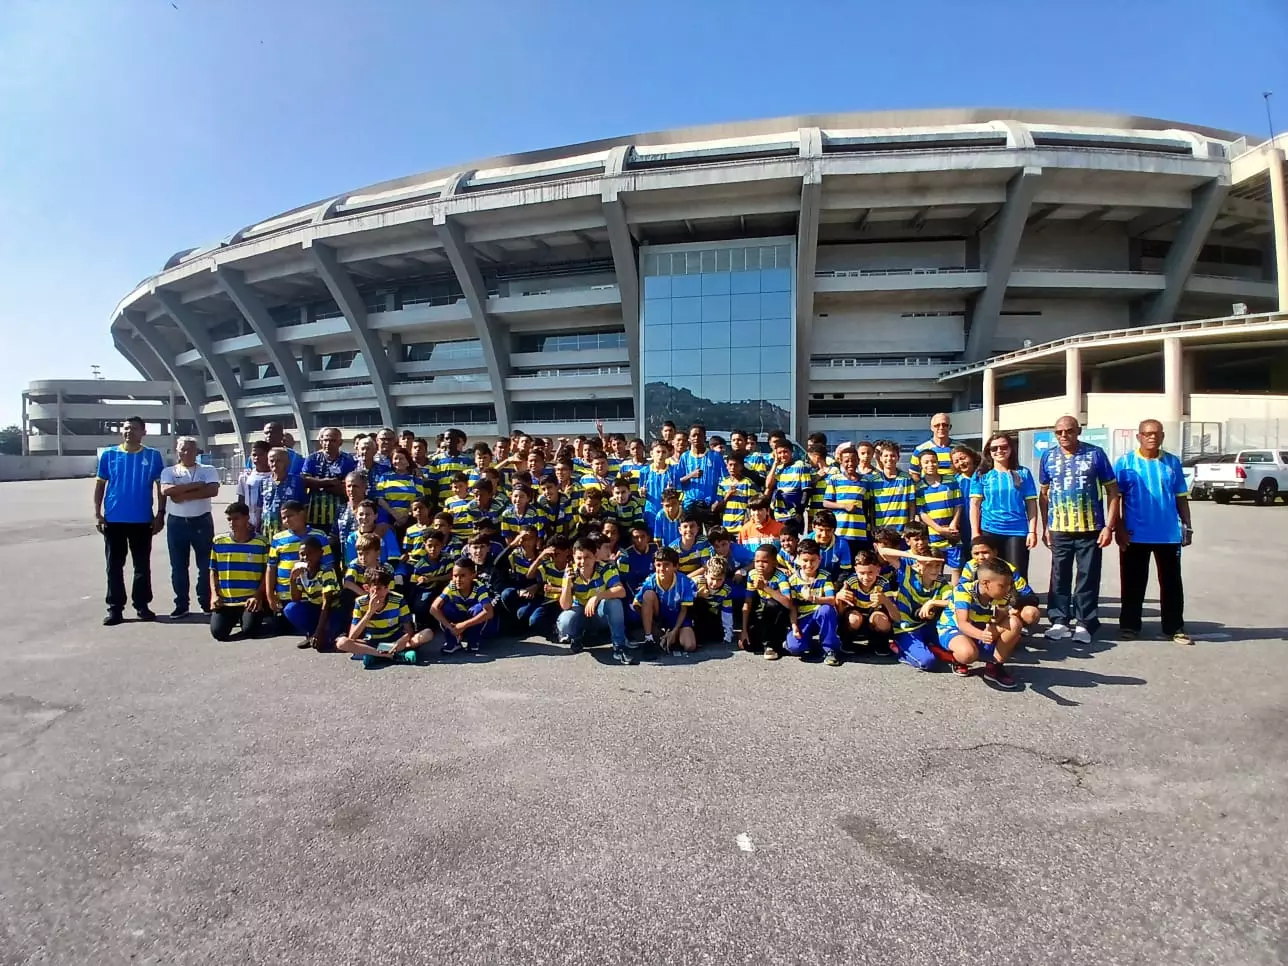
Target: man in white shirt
x=190 y=530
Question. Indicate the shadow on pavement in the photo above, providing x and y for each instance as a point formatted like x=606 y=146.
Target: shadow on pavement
x=1044 y=681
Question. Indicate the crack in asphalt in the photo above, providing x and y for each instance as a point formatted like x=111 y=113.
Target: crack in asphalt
x=1076 y=767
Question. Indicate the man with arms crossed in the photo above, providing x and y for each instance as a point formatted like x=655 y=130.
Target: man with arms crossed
x=1154 y=522
x=128 y=477
x=1075 y=528
x=190 y=530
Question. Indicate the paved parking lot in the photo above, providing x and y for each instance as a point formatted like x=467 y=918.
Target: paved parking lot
x=167 y=799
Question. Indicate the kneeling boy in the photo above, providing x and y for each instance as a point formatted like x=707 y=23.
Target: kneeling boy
x=981 y=626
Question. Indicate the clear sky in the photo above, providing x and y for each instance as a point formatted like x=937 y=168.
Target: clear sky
x=130 y=129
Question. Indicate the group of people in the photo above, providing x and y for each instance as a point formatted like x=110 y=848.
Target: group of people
x=398 y=551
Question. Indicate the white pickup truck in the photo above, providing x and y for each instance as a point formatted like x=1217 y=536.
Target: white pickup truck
x=1255 y=474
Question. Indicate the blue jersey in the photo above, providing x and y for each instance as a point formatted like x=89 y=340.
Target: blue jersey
x=276 y=492
x=130 y=478
x=1150 y=489
x=652 y=483
x=703 y=489
x=637 y=565
x=1005 y=503
x=1073 y=482
x=323 y=507
x=682 y=591
x=388 y=547
x=666 y=530
x=835 y=557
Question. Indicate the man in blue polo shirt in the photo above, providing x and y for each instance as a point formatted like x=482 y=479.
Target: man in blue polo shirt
x=1072 y=476
x=129 y=476
x=701 y=470
x=1155 y=522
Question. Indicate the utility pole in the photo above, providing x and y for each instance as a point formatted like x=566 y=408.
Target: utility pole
x=1270 y=121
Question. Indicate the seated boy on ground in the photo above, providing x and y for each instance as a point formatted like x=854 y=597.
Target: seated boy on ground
x=664 y=601
x=770 y=608
x=922 y=595
x=462 y=610
x=692 y=549
x=815 y=625
x=866 y=610
x=238 y=560
x=284 y=554
x=713 y=603
x=542 y=610
x=980 y=625
x=381 y=629
x=834 y=552
x=590 y=598
x=314 y=607
x=1024 y=601
x=431 y=573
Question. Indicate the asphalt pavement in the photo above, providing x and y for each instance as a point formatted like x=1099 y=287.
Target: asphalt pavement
x=168 y=799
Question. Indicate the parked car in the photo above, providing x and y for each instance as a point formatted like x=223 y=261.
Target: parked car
x=1254 y=474
x=1200 y=490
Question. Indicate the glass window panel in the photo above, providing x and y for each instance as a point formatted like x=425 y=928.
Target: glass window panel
x=657 y=311
x=715 y=361
x=775 y=332
x=686 y=363
x=774 y=359
x=692 y=263
x=715 y=387
x=691 y=383
x=715 y=335
x=784 y=253
x=744 y=282
x=737 y=259
x=715 y=308
x=657 y=286
x=659 y=337
x=776 y=280
x=776 y=305
x=684 y=286
x=722 y=260
x=708 y=260
x=745 y=360
x=775 y=385
x=745 y=388
x=744 y=333
x=744 y=307
x=717 y=284
x=686 y=310
x=685 y=337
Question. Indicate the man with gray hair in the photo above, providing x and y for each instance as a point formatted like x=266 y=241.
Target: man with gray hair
x=190 y=530
x=324 y=473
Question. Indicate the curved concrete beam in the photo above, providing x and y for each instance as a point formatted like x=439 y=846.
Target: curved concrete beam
x=495 y=353
x=184 y=378
x=811 y=148
x=220 y=371
x=626 y=268
x=139 y=356
x=256 y=315
x=1205 y=205
x=346 y=295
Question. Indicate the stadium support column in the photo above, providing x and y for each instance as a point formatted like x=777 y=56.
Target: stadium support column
x=256 y=315
x=1279 y=212
x=1073 y=382
x=470 y=278
x=151 y=370
x=1009 y=230
x=192 y=385
x=198 y=337
x=626 y=268
x=811 y=148
x=1173 y=383
x=346 y=296
x=1205 y=204
x=988 y=411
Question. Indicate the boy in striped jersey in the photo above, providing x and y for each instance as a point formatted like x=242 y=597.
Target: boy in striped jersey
x=734 y=494
x=713 y=603
x=693 y=551
x=815 y=622
x=556 y=510
x=865 y=608
x=666 y=524
x=590 y=598
x=1024 y=600
x=540 y=612
x=788 y=482
x=894 y=497
x=381 y=629
x=835 y=553
x=521 y=514
x=463 y=609
x=284 y=554
x=922 y=594
x=939 y=507
x=820 y=469
x=980 y=625
x=237 y=564
x=314 y=607
x=846 y=495
x=770 y=608
x=664 y=601
x=624 y=507
x=464 y=523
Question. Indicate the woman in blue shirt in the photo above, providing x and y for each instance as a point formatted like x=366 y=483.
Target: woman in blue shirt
x=1004 y=502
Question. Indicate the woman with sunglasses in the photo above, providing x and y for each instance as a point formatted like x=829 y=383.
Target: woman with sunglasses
x=1004 y=502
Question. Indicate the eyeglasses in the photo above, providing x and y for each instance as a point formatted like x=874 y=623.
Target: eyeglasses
x=1066 y=432
x=941 y=425
x=999 y=449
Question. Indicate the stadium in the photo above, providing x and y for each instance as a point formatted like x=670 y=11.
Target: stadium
x=815 y=273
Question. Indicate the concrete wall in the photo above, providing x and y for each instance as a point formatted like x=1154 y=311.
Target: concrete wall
x=47 y=467
x=1218 y=407
x=947 y=253
x=882 y=330
x=1034 y=414
x=1123 y=409
x=1060 y=319
x=1060 y=248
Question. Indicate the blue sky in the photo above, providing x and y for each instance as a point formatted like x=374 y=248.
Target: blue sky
x=130 y=129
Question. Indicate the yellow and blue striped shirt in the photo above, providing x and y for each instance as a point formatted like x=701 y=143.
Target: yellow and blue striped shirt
x=966 y=599
x=850 y=524
x=398 y=491
x=737 y=496
x=512 y=521
x=239 y=567
x=939 y=501
x=791 y=492
x=386 y=625
x=820 y=584
x=891 y=498
x=284 y=553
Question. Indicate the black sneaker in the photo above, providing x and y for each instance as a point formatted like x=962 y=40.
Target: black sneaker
x=178 y=613
x=998 y=674
x=145 y=614
x=622 y=657
x=575 y=646
x=112 y=618
x=832 y=659
x=449 y=647
x=1128 y=635
x=649 y=641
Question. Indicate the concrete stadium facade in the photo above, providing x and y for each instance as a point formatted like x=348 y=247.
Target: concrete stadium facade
x=815 y=273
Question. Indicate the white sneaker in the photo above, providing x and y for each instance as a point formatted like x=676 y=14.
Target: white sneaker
x=1059 y=632
x=1081 y=635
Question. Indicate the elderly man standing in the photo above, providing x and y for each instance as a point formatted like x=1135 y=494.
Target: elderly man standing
x=940 y=443
x=128 y=477
x=323 y=474
x=1075 y=478
x=1155 y=523
x=275 y=434
x=190 y=530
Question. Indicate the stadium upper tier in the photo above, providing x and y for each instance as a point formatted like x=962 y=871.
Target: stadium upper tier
x=818 y=272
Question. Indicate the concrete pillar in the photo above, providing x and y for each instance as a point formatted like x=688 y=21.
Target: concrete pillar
x=988 y=415
x=1279 y=209
x=1073 y=382
x=1097 y=380
x=26 y=428
x=174 y=417
x=308 y=361
x=394 y=349
x=1173 y=381
x=58 y=419
x=248 y=370
x=1189 y=372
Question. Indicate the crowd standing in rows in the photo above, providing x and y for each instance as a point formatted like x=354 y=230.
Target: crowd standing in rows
x=398 y=551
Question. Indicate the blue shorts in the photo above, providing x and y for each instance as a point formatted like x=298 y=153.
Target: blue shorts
x=953 y=557
x=670 y=618
x=946 y=642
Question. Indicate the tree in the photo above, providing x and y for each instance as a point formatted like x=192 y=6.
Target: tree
x=11 y=441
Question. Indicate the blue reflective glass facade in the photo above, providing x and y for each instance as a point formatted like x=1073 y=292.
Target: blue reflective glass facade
x=718 y=334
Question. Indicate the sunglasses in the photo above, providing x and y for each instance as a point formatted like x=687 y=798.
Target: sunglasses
x=999 y=449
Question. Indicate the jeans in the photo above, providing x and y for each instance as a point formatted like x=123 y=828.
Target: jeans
x=195 y=536
x=304 y=616
x=473 y=635
x=539 y=615
x=1014 y=550
x=225 y=620
x=608 y=615
x=1068 y=600
x=134 y=539
x=1134 y=561
x=820 y=623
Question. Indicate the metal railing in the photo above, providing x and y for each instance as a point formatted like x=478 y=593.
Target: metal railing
x=856 y=362
x=866 y=272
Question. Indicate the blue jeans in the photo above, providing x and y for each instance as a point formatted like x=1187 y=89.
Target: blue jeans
x=187 y=536
x=573 y=623
x=821 y=623
x=538 y=615
x=1072 y=599
x=473 y=635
